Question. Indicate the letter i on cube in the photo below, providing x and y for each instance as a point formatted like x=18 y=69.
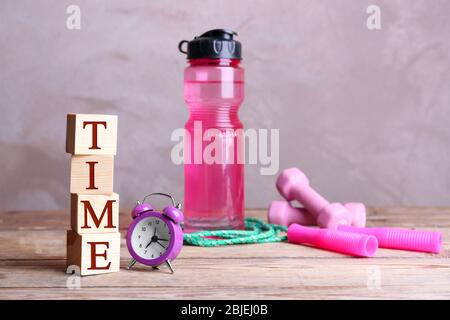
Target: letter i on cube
x=93 y=243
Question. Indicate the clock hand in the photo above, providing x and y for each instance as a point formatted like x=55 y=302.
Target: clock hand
x=151 y=241
x=154 y=239
x=160 y=244
x=158 y=238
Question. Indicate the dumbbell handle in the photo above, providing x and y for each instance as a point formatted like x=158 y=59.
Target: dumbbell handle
x=282 y=213
x=310 y=199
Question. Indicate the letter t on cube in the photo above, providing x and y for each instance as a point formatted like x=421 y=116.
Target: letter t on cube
x=89 y=134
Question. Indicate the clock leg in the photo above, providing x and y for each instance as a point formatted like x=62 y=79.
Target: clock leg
x=131 y=264
x=169 y=265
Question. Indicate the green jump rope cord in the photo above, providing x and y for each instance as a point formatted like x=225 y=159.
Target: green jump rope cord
x=256 y=231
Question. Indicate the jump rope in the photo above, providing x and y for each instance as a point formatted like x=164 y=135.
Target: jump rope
x=256 y=231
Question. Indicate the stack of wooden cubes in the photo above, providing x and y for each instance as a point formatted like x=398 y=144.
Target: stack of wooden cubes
x=93 y=243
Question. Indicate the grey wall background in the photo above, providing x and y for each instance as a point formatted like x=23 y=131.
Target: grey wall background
x=365 y=113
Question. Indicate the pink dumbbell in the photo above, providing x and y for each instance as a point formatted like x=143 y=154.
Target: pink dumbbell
x=294 y=185
x=283 y=213
x=358 y=213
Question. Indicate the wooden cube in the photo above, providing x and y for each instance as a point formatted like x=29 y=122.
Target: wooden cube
x=94 y=213
x=92 y=174
x=94 y=253
x=91 y=134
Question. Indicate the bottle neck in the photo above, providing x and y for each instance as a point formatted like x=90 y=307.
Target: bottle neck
x=215 y=62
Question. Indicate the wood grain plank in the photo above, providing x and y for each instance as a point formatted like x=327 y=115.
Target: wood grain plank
x=32 y=264
x=269 y=278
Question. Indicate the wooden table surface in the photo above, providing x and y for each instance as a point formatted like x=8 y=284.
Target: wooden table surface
x=32 y=266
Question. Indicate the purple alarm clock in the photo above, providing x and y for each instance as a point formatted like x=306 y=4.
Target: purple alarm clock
x=154 y=237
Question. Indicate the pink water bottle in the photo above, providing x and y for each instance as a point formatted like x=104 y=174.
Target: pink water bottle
x=213 y=169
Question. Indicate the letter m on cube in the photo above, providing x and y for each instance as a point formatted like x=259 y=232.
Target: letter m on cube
x=94 y=213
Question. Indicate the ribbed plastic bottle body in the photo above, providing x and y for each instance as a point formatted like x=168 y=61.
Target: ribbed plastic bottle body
x=214 y=178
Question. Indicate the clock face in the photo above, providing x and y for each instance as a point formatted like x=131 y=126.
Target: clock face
x=151 y=238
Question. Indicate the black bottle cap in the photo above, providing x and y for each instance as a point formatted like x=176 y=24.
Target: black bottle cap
x=213 y=44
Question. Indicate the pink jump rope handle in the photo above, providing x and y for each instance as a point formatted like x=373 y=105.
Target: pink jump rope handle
x=283 y=213
x=404 y=239
x=294 y=185
x=354 y=244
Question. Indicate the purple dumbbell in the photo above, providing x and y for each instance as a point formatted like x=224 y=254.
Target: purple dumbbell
x=283 y=213
x=294 y=185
